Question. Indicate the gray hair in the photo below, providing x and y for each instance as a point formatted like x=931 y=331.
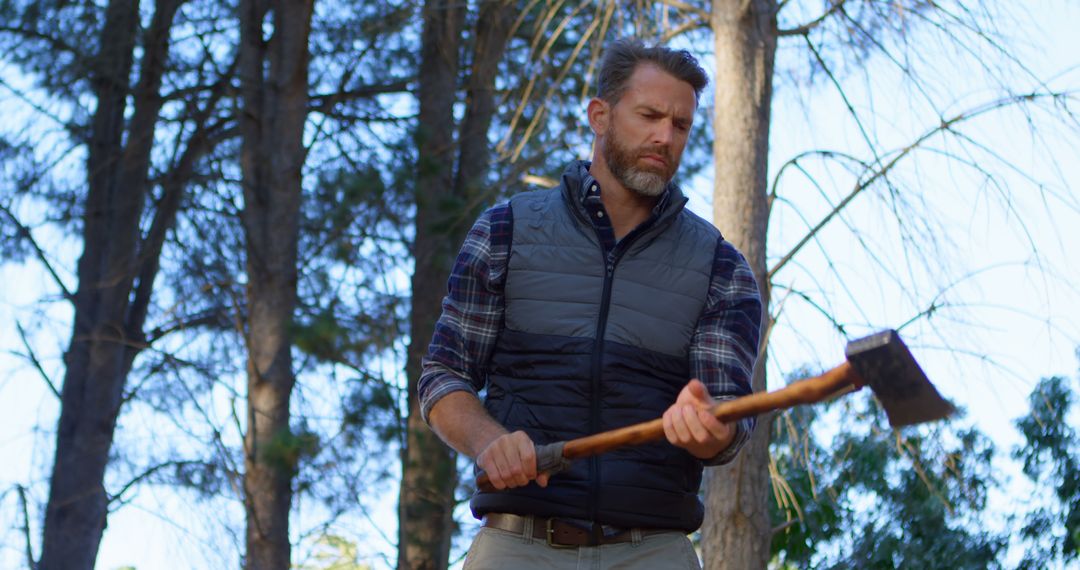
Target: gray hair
x=623 y=56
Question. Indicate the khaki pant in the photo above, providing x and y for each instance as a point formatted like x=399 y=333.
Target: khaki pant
x=495 y=549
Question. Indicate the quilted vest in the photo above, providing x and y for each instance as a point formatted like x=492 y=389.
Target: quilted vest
x=594 y=342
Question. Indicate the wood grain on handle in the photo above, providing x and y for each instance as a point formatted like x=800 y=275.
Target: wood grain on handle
x=807 y=391
x=833 y=382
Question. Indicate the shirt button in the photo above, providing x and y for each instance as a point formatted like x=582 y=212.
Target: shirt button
x=592 y=188
x=599 y=214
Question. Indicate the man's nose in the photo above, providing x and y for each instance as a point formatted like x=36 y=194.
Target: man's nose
x=664 y=133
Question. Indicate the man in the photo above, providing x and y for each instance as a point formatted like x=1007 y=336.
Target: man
x=589 y=307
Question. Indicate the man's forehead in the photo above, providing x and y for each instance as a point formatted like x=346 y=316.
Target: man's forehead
x=653 y=87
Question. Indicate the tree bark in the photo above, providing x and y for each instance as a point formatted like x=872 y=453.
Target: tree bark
x=446 y=204
x=736 y=533
x=274 y=88
x=428 y=471
x=97 y=360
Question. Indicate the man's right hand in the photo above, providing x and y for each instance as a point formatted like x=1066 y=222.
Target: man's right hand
x=510 y=461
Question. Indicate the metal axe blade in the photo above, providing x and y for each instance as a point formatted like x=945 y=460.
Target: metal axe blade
x=885 y=364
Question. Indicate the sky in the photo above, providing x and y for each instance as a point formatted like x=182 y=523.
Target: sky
x=1021 y=311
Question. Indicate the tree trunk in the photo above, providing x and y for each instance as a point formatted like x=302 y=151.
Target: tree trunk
x=274 y=87
x=445 y=207
x=105 y=335
x=491 y=38
x=736 y=533
x=428 y=471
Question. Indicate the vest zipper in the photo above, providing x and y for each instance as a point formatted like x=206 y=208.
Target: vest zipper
x=597 y=359
x=610 y=260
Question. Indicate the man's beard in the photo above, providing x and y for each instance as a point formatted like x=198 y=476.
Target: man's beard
x=622 y=162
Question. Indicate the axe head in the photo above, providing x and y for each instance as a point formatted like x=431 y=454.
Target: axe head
x=886 y=365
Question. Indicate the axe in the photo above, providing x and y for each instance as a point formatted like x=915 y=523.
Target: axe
x=881 y=361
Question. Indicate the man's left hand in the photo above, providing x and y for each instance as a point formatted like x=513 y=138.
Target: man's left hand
x=689 y=424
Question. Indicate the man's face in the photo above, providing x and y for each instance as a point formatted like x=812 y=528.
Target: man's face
x=648 y=129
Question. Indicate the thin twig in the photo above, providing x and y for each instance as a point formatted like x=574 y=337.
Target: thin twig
x=26 y=527
x=24 y=233
x=946 y=125
x=684 y=7
x=34 y=360
x=805 y=29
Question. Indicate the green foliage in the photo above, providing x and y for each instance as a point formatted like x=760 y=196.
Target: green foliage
x=322 y=335
x=371 y=409
x=1051 y=458
x=334 y=553
x=805 y=520
x=13 y=243
x=207 y=478
x=288 y=447
x=875 y=498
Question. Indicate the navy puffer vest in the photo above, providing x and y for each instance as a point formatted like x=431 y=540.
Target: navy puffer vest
x=594 y=342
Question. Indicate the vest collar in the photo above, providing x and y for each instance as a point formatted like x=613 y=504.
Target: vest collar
x=577 y=182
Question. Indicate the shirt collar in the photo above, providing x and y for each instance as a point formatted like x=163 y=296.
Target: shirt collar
x=589 y=193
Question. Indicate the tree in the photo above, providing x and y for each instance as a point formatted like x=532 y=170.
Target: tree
x=449 y=189
x=365 y=162
x=875 y=498
x=745 y=36
x=122 y=238
x=274 y=84
x=106 y=323
x=917 y=498
x=190 y=200
x=1051 y=460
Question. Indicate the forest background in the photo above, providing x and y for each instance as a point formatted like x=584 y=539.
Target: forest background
x=220 y=222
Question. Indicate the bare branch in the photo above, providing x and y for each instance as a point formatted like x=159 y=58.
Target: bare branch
x=24 y=232
x=324 y=103
x=27 y=100
x=785 y=526
x=34 y=360
x=805 y=29
x=687 y=26
x=827 y=314
x=901 y=65
x=54 y=42
x=880 y=173
x=164 y=217
x=844 y=97
x=684 y=7
x=216 y=318
x=26 y=526
x=147 y=474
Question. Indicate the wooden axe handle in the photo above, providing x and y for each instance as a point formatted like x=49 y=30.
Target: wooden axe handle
x=834 y=382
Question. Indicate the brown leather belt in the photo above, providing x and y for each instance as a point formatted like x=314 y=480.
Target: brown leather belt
x=564 y=534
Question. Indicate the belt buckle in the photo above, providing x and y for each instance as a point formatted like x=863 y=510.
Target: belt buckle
x=550 y=534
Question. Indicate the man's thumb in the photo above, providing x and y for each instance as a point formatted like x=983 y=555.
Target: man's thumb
x=698 y=390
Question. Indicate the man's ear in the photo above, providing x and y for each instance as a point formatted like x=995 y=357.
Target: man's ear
x=599 y=115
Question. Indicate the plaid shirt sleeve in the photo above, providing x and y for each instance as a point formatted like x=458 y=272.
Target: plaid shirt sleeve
x=725 y=345
x=472 y=312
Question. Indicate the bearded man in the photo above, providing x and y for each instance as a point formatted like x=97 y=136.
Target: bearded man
x=589 y=307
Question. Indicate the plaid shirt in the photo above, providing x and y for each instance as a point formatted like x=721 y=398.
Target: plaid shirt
x=722 y=351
